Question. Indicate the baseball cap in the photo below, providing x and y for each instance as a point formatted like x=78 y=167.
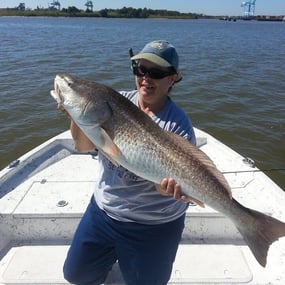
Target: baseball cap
x=159 y=52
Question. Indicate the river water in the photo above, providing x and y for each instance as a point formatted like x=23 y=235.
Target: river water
x=233 y=77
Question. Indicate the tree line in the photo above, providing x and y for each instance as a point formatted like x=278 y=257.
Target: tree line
x=125 y=12
x=129 y=12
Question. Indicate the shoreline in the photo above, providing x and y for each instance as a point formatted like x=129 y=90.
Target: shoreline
x=132 y=13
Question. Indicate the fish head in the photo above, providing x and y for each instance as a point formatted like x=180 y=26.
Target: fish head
x=82 y=99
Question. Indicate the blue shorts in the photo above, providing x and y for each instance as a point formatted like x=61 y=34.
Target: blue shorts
x=145 y=253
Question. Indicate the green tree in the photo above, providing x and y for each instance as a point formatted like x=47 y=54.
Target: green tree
x=103 y=13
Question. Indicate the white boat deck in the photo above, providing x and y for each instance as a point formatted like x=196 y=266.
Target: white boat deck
x=43 y=197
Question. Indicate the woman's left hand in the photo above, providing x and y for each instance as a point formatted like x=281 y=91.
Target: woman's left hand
x=168 y=187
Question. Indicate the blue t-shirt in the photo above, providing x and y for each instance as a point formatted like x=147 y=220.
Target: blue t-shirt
x=127 y=197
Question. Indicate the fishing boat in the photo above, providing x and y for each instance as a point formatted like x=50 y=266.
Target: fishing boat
x=44 y=193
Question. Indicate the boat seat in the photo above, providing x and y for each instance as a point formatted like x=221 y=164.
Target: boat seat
x=195 y=264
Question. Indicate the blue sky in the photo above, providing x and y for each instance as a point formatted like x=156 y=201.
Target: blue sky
x=210 y=7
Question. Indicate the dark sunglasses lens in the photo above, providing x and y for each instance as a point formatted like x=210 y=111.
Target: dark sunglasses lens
x=152 y=72
x=137 y=72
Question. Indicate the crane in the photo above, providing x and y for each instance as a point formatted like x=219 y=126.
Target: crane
x=249 y=8
x=89 y=5
x=21 y=7
x=55 y=5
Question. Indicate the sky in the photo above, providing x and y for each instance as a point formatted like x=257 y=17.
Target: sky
x=208 y=7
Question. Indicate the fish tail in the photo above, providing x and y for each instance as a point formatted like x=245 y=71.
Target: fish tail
x=261 y=233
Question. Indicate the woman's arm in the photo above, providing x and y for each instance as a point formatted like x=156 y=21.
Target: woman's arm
x=81 y=141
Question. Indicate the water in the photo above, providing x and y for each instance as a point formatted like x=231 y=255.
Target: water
x=233 y=77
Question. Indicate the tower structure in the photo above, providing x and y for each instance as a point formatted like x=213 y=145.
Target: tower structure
x=55 y=5
x=249 y=8
x=89 y=6
x=21 y=7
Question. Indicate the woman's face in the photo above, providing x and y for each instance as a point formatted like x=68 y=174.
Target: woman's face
x=153 y=91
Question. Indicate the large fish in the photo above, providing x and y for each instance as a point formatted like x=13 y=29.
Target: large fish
x=128 y=137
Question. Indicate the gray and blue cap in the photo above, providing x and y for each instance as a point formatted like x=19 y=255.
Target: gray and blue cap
x=159 y=52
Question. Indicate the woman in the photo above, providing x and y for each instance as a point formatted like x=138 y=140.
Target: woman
x=131 y=220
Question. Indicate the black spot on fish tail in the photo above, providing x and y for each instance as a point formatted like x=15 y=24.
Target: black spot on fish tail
x=260 y=234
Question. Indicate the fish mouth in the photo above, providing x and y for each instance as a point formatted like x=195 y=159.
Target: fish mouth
x=57 y=94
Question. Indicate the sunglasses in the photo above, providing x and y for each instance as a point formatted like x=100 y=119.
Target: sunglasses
x=154 y=73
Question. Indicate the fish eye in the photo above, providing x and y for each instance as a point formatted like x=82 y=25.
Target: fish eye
x=69 y=83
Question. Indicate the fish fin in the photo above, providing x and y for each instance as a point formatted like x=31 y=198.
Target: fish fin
x=203 y=160
x=198 y=202
x=260 y=233
x=110 y=158
x=107 y=146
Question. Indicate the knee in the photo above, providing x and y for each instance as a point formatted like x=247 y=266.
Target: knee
x=71 y=275
x=82 y=277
